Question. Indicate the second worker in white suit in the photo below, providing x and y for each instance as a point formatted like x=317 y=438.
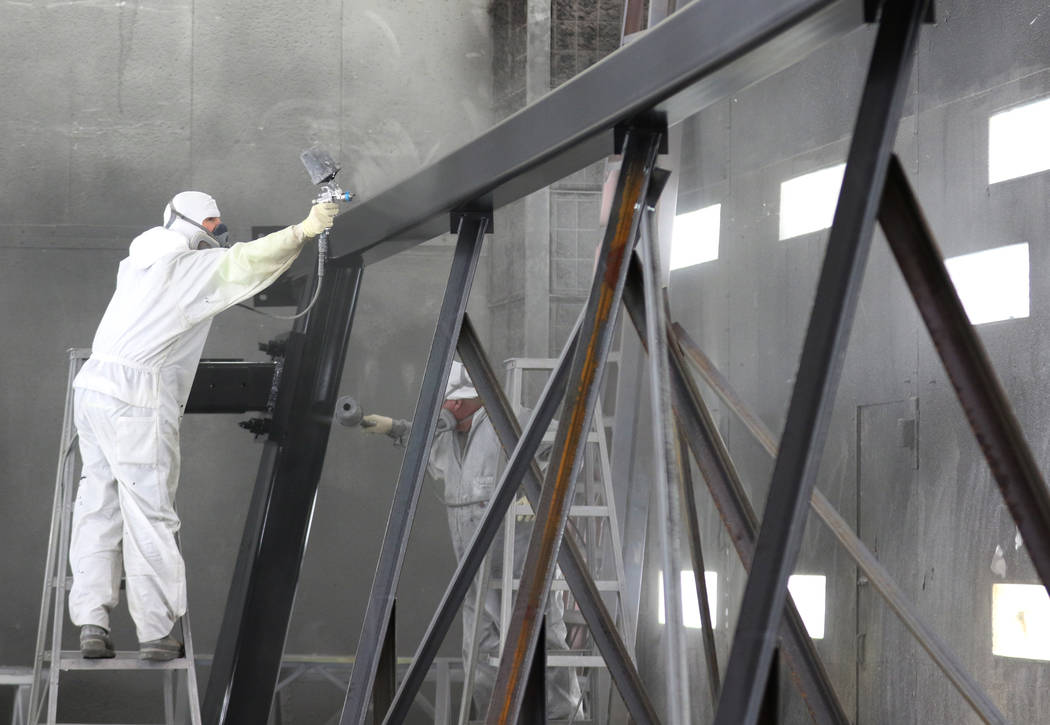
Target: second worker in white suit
x=467 y=455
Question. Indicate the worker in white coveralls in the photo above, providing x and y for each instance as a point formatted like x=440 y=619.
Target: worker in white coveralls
x=129 y=400
x=467 y=455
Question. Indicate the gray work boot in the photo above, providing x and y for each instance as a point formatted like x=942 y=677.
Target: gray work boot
x=95 y=643
x=161 y=650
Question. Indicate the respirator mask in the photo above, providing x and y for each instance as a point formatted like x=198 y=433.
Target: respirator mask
x=202 y=238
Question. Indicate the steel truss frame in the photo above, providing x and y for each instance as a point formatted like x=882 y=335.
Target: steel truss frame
x=720 y=46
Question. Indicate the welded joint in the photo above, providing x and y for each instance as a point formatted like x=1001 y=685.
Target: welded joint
x=473 y=211
x=873 y=10
x=655 y=121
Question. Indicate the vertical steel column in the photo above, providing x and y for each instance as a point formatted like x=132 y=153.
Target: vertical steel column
x=696 y=550
x=587 y=368
x=820 y=365
x=972 y=375
x=884 y=584
x=733 y=505
x=666 y=480
x=248 y=653
x=386 y=670
x=472 y=229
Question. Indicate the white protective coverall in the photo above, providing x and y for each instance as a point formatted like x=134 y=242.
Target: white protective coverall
x=470 y=464
x=129 y=400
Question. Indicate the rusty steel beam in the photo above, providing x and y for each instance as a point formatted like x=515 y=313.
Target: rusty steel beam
x=981 y=394
x=641 y=146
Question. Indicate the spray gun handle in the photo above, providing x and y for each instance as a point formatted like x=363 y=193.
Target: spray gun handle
x=333 y=193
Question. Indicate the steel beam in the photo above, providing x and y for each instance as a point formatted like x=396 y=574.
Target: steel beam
x=696 y=551
x=982 y=396
x=734 y=507
x=719 y=47
x=472 y=230
x=587 y=367
x=666 y=479
x=248 y=652
x=820 y=365
x=865 y=560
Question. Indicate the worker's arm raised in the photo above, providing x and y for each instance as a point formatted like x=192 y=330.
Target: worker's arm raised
x=247 y=268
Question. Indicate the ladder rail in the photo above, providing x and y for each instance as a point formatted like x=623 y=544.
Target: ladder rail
x=67 y=441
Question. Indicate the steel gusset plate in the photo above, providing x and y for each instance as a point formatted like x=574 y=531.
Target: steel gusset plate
x=406 y=493
x=584 y=387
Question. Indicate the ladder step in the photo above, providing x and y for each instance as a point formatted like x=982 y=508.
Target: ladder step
x=591 y=661
x=524 y=509
x=125 y=660
x=560 y=585
x=548 y=437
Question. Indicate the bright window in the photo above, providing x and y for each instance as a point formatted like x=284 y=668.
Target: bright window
x=807 y=202
x=690 y=604
x=1021 y=621
x=808 y=591
x=1018 y=141
x=695 y=237
x=992 y=284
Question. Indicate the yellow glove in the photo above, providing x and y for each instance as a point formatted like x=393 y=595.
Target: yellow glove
x=377 y=424
x=321 y=218
x=523 y=501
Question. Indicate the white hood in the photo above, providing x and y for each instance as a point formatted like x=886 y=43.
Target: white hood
x=155 y=243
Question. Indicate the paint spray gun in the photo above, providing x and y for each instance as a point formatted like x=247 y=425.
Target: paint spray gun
x=322 y=169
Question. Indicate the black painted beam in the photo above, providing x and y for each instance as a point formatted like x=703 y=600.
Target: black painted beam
x=703 y=52
x=248 y=652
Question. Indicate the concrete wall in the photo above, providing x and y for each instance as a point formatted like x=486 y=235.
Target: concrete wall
x=935 y=526
x=110 y=109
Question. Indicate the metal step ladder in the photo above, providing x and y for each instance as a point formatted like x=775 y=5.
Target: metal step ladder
x=179 y=676
x=594 y=513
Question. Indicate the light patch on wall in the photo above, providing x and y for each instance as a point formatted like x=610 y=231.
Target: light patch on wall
x=1018 y=143
x=695 y=236
x=807 y=202
x=992 y=284
x=808 y=591
x=690 y=604
x=1021 y=621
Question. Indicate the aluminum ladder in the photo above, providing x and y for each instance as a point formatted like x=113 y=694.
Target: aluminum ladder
x=594 y=514
x=179 y=676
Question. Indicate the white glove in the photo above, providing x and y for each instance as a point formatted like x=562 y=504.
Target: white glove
x=377 y=424
x=321 y=218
